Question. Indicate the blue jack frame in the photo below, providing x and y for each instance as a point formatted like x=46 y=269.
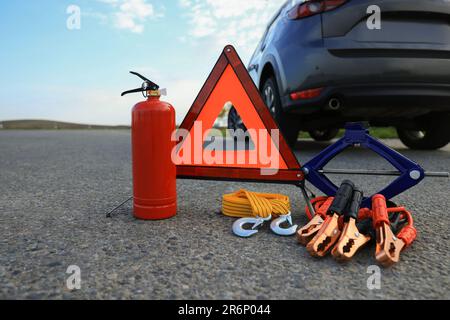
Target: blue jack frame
x=357 y=135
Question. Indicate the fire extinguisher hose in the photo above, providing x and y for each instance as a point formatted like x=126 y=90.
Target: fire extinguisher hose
x=244 y=203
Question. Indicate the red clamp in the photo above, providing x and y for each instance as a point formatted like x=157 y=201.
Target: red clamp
x=389 y=246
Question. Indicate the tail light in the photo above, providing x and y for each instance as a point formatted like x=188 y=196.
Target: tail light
x=312 y=7
x=306 y=94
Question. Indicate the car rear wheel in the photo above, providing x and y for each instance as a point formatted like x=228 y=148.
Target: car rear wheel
x=324 y=135
x=435 y=136
x=286 y=122
x=235 y=121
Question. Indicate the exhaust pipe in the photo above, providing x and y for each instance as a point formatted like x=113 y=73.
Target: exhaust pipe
x=334 y=104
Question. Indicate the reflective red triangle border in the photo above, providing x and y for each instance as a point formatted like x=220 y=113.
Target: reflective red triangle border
x=292 y=175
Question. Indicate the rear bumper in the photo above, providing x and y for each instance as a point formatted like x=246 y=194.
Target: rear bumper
x=411 y=80
x=378 y=100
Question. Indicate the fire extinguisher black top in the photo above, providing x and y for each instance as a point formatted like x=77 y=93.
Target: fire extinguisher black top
x=147 y=85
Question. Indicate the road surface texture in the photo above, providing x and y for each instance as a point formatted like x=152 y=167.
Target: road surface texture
x=56 y=186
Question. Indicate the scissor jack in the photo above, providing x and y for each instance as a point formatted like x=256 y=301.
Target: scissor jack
x=357 y=136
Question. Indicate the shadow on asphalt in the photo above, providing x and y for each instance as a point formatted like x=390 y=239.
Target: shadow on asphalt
x=306 y=145
x=310 y=145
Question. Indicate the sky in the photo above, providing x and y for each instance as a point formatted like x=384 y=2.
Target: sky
x=55 y=66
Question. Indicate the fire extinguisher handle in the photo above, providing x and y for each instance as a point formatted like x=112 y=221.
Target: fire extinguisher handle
x=151 y=83
x=146 y=86
x=132 y=91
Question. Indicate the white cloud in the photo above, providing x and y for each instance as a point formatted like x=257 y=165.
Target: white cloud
x=222 y=22
x=181 y=93
x=98 y=105
x=132 y=14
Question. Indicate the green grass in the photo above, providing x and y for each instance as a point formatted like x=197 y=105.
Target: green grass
x=380 y=133
x=384 y=133
x=52 y=125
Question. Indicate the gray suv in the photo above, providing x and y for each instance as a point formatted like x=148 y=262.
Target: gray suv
x=322 y=63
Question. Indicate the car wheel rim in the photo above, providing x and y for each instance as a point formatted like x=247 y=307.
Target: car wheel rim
x=269 y=99
x=416 y=135
x=319 y=133
x=235 y=120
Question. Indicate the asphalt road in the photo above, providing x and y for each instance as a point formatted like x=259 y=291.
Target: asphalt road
x=55 y=187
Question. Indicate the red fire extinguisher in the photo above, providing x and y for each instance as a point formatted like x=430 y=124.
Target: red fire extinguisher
x=154 y=173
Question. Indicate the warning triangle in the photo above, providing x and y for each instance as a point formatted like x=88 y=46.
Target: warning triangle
x=225 y=156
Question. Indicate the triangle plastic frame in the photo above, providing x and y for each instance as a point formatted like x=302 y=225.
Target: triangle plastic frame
x=290 y=174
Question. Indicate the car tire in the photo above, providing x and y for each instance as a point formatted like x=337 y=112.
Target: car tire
x=235 y=121
x=435 y=136
x=287 y=123
x=324 y=135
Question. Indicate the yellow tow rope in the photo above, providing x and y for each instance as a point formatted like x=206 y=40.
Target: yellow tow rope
x=244 y=203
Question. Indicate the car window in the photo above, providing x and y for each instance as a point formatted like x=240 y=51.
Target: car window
x=270 y=27
x=269 y=31
x=273 y=22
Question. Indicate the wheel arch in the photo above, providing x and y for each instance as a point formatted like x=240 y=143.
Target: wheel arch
x=271 y=69
x=267 y=72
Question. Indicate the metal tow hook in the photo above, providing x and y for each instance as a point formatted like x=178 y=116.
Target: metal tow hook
x=275 y=226
x=238 y=226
